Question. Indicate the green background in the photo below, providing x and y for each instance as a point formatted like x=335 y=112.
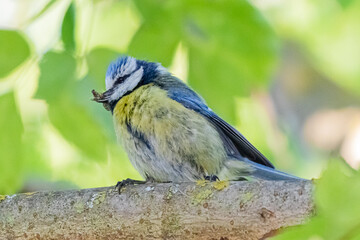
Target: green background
x=279 y=71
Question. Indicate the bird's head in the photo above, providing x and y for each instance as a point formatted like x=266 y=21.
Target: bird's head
x=123 y=76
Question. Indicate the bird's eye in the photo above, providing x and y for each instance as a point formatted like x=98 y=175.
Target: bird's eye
x=121 y=79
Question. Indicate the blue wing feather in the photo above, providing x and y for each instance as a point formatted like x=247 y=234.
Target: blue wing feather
x=235 y=143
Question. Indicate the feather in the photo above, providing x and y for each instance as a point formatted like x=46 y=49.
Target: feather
x=235 y=143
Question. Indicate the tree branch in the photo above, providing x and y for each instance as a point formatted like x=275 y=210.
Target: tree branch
x=241 y=210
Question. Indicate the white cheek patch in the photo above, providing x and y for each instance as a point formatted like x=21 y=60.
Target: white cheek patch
x=108 y=82
x=125 y=69
x=128 y=85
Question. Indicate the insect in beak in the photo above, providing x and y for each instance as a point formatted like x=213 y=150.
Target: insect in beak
x=99 y=97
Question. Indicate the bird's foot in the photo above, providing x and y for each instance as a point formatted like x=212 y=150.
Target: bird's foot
x=212 y=178
x=127 y=182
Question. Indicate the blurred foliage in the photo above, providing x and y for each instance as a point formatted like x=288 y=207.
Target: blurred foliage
x=14 y=50
x=329 y=31
x=57 y=76
x=231 y=47
x=228 y=51
x=97 y=61
x=337 y=209
x=10 y=144
x=68 y=29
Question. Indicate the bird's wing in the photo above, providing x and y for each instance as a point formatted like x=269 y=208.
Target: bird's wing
x=245 y=148
x=234 y=142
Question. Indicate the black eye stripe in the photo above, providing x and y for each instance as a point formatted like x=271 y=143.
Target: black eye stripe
x=120 y=80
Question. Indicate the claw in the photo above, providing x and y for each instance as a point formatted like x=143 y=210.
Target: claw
x=127 y=182
x=212 y=178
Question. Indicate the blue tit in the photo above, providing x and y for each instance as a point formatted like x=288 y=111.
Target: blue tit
x=170 y=134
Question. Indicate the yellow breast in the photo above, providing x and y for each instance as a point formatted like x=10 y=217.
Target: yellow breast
x=176 y=134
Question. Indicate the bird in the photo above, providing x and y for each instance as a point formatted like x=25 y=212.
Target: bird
x=170 y=134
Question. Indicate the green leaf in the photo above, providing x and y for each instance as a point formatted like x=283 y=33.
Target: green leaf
x=232 y=51
x=11 y=128
x=14 y=50
x=57 y=72
x=203 y=70
x=36 y=163
x=158 y=37
x=98 y=61
x=109 y=24
x=79 y=127
x=81 y=94
x=160 y=11
x=154 y=42
x=237 y=31
x=67 y=29
x=337 y=207
x=57 y=86
x=345 y=3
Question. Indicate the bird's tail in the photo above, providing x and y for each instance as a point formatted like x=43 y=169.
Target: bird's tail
x=238 y=170
x=267 y=173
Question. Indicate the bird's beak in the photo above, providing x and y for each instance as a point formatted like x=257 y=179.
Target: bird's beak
x=100 y=98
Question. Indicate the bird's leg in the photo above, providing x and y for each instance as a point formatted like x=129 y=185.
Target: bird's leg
x=212 y=178
x=130 y=181
x=127 y=182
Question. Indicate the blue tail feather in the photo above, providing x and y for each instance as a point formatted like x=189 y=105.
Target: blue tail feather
x=267 y=173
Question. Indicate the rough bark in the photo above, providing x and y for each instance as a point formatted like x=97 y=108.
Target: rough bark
x=221 y=210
